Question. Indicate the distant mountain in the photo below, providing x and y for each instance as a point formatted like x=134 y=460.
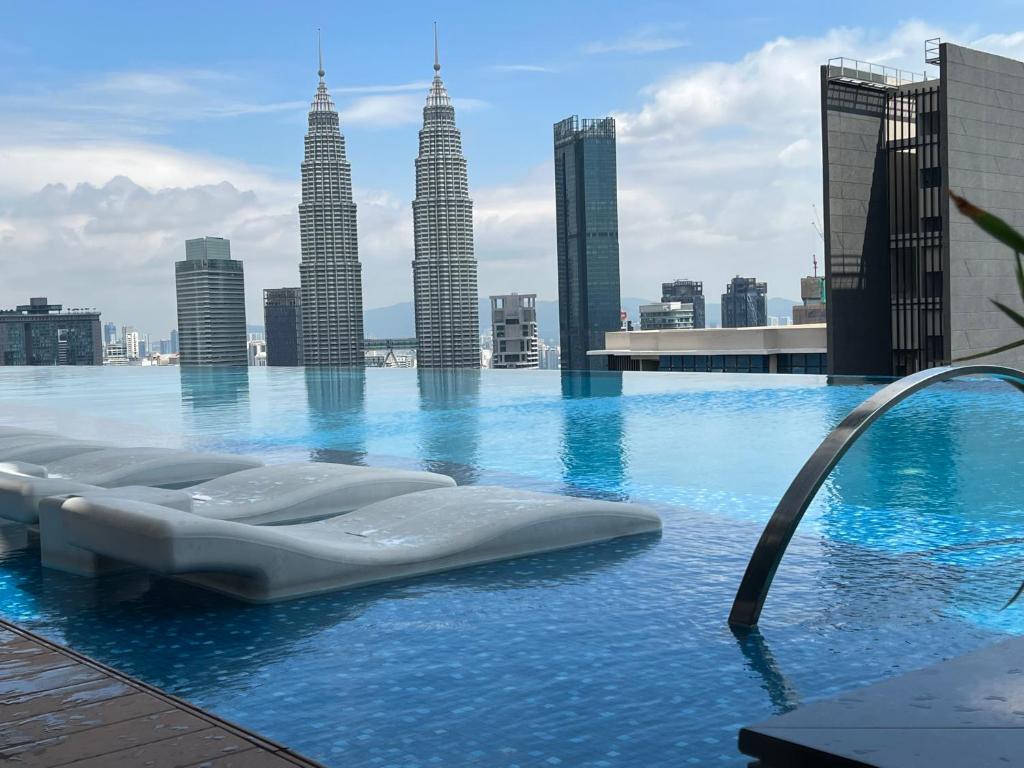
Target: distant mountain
x=398 y=320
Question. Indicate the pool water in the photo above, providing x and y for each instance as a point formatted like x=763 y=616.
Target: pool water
x=609 y=655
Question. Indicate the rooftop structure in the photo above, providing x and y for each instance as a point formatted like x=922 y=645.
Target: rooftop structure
x=775 y=349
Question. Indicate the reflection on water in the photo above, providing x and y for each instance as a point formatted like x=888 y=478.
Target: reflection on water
x=759 y=659
x=450 y=422
x=593 y=455
x=214 y=388
x=337 y=410
x=148 y=620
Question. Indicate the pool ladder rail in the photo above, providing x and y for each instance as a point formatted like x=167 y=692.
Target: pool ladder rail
x=757 y=580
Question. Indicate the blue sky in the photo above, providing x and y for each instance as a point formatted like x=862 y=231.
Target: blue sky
x=162 y=122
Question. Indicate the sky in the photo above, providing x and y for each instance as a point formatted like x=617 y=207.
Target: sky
x=126 y=128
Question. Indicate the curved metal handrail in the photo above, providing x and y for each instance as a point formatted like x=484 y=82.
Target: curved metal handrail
x=750 y=597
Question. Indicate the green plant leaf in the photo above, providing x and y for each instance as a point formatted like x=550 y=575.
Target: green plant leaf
x=995 y=351
x=990 y=223
x=1013 y=314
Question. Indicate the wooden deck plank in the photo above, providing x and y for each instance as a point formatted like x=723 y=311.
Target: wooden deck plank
x=170 y=753
x=251 y=758
x=59 y=708
x=106 y=739
x=33 y=704
x=65 y=722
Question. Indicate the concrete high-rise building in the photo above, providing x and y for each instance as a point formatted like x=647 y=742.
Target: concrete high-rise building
x=211 y=304
x=514 y=331
x=812 y=293
x=444 y=268
x=174 y=341
x=330 y=273
x=41 y=333
x=908 y=279
x=587 y=226
x=666 y=315
x=282 y=325
x=745 y=303
x=687 y=292
x=130 y=339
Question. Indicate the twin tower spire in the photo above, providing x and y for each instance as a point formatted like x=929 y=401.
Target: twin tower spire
x=444 y=264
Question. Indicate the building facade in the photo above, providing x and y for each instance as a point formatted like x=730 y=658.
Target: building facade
x=777 y=349
x=444 y=268
x=745 y=303
x=130 y=339
x=666 y=315
x=687 y=292
x=514 y=331
x=587 y=230
x=812 y=293
x=282 y=325
x=909 y=281
x=211 y=304
x=40 y=333
x=330 y=273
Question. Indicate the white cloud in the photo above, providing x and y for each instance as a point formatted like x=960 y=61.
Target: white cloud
x=651 y=39
x=520 y=68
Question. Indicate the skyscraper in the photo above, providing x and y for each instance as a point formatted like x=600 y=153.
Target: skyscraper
x=444 y=267
x=282 y=324
x=514 y=330
x=687 y=292
x=109 y=333
x=211 y=304
x=745 y=303
x=330 y=273
x=587 y=223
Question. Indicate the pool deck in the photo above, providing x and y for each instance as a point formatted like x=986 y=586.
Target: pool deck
x=966 y=711
x=59 y=708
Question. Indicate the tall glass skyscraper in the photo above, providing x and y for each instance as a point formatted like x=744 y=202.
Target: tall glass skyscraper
x=330 y=273
x=211 y=305
x=444 y=268
x=587 y=222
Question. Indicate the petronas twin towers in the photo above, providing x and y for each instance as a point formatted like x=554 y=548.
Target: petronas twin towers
x=444 y=267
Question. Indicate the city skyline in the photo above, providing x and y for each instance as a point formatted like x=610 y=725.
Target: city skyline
x=218 y=151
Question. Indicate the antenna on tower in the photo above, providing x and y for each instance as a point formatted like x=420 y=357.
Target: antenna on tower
x=814 y=260
x=437 y=59
x=320 y=53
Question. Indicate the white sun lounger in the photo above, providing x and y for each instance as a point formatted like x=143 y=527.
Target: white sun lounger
x=409 y=535
x=23 y=485
x=43 y=449
x=273 y=495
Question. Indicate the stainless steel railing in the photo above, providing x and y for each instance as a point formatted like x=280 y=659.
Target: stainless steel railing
x=757 y=580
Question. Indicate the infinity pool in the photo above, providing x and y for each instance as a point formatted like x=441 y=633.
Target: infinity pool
x=609 y=655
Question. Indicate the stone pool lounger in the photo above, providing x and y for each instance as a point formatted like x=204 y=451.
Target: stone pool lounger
x=23 y=485
x=414 y=534
x=271 y=495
